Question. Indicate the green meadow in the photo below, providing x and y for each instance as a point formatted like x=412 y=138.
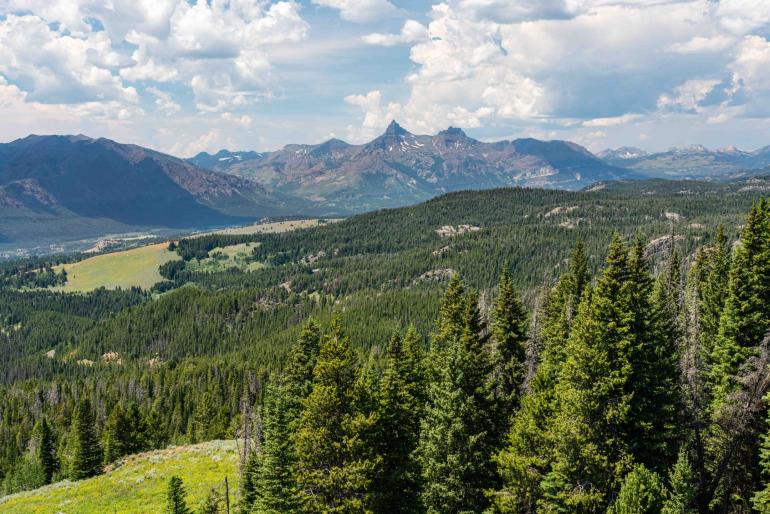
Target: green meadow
x=137 y=484
x=134 y=267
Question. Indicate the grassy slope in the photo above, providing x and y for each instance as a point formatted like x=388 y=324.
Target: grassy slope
x=275 y=227
x=138 y=485
x=139 y=266
x=135 y=267
x=236 y=258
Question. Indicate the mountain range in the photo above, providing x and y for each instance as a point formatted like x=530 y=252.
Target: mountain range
x=398 y=168
x=690 y=162
x=57 y=188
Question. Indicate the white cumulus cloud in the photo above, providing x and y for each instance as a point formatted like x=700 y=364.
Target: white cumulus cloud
x=412 y=32
x=359 y=11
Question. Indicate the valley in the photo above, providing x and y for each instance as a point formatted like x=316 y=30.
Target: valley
x=385 y=257
x=196 y=363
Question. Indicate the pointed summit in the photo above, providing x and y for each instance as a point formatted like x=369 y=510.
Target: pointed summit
x=394 y=129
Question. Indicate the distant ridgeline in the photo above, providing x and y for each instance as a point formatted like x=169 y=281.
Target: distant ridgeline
x=516 y=350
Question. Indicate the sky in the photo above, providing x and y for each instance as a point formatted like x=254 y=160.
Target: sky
x=184 y=76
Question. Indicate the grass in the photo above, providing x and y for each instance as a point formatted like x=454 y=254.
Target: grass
x=138 y=484
x=225 y=257
x=278 y=226
x=139 y=266
x=134 y=267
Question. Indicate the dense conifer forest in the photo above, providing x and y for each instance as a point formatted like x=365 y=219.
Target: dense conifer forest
x=499 y=351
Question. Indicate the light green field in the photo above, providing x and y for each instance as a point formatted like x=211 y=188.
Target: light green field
x=139 y=266
x=276 y=227
x=236 y=257
x=138 y=485
x=134 y=267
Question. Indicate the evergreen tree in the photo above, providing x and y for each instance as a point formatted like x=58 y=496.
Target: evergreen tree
x=299 y=369
x=656 y=401
x=457 y=435
x=528 y=454
x=509 y=347
x=46 y=450
x=451 y=315
x=248 y=487
x=401 y=397
x=138 y=430
x=713 y=272
x=733 y=459
x=746 y=316
x=117 y=435
x=335 y=466
x=578 y=276
x=175 y=497
x=86 y=454
x=275 y=483
x=683 y=486
x=594 y=400
x=641 y=493
x=269 y=482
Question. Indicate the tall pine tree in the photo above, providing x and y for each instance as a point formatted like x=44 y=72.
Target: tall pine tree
x=457 y=436
x=528 y=453
x=335 y=466
x=746 y=316
x=594 y=401
x=46 y=450
x=86 y=454
x=117 y=435
x=275 y=483
x=509 y=348
x=402 y=401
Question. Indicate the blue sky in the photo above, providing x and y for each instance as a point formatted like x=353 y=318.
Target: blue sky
x=184 y=76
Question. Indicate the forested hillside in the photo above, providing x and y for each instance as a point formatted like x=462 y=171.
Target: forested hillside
x=514 y=350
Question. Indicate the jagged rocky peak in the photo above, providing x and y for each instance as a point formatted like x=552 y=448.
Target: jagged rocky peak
x=394 y=129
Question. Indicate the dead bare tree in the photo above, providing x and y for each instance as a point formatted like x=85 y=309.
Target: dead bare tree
x=736 y=424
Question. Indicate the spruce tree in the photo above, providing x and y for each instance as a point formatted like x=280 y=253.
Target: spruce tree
x=269 y=481
x=138 y=430
x=712 y=274
x=46 y=450
x=746 y=316
x=656 y=401
x=335 y=465
x=642 y=492
x=117 y=435
x=451 y=315
x=175 y=497
x=683 y=487
x=594 y=400
x=457 y=435
x=300 y=365
x=401 y=397
x=86 y=454
x=528 y=452
x=733 y=465
x=275 y=483
x=577 y=275
x=509 y=347
x=250 y=474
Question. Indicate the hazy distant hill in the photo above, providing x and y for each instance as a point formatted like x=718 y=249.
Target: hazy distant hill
x=75 y=186
x=693 y=162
